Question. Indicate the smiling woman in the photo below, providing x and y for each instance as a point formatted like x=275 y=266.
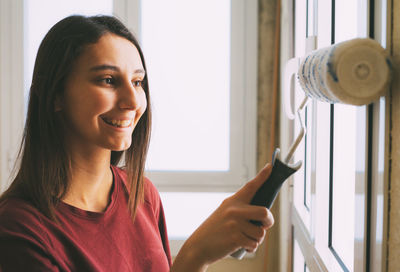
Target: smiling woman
x=70 y=208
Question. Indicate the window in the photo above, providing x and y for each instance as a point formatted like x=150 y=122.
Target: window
x=11 y=85
x=188 y=61
x=204 y=131
x=333 y=193
x=202 y=77
x=38 y=21
x=23 y=25
x=202 y=84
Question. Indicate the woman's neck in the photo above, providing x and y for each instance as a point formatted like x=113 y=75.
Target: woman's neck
x=90 y=184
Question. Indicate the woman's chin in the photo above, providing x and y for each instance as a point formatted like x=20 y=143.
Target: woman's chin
x=120 y=146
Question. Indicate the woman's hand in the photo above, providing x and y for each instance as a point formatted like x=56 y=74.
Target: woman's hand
x=227 y=229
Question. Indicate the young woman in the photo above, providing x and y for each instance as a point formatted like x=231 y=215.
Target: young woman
x=70 y=208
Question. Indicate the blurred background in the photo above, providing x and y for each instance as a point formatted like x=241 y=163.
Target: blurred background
x=215 y=70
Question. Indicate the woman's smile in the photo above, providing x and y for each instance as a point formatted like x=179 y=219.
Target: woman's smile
x=124 y=123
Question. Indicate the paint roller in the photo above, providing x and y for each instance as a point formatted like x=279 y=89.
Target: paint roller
x=355 y=72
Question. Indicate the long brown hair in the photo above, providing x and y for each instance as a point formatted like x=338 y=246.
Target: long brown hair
x=44 y=169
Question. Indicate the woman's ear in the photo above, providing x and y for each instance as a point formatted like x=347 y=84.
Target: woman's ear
x=57 y=104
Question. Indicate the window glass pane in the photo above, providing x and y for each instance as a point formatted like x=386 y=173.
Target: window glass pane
x=300 y=28
x=302 y=182
x=350 y=20
x=348 y=152
x=185 y=212
x=383 y=17
x=380 y=180
x=360 y=190
x=187 y=50
x=311 y=7
x=307 y=162
x=344 y=175
x=298 y=258
x=41 y=15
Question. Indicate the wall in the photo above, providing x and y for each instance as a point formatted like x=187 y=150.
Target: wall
x=286 y=52
x=393 y=232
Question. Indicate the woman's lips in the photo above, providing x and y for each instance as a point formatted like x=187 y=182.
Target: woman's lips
x=118 y=123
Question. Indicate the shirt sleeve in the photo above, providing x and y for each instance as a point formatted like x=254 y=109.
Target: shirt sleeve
x=23 y=245
x=22 y=255
x=158 y=210
x=162 y=226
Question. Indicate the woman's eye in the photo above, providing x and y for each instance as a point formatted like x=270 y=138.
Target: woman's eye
x=137 y=83
x=108 y=81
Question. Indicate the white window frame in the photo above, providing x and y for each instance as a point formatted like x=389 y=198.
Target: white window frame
x=243 y=103
x=11 y=85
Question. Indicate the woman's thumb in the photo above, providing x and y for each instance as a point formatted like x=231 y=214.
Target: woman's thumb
x=247 y=192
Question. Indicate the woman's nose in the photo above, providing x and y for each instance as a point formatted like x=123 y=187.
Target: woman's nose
x=131 y=97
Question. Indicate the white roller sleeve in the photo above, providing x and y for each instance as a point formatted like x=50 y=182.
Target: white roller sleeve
x=353 y=72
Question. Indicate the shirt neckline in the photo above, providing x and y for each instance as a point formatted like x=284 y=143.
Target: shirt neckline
x=95 y=215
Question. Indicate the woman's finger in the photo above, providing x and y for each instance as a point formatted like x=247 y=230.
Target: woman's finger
x=250 y=244
x=252 y=213
x=247 y=192
x=253 y=232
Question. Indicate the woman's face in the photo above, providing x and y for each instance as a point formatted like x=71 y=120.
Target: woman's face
x=103 y=98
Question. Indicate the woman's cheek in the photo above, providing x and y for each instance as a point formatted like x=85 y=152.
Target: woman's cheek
x=143 y=105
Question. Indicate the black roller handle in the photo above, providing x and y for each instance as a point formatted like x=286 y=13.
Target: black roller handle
x=267 y=193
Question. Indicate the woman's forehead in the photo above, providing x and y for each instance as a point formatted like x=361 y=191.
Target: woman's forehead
x=111 y=50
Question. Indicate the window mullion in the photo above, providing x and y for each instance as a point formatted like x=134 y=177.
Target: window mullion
x=128 y=11
x=11 y=84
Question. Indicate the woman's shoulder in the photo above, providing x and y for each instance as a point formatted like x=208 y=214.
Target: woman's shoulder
x=14 y=207
x=19 y=217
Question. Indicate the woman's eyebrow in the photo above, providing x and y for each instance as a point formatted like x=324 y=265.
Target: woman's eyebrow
x=104 y=67
x=139 y=71
x=113 y=68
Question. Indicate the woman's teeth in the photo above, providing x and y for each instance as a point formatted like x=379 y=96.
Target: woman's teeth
x=118 y=123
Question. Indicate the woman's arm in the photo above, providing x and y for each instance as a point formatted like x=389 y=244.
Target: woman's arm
x=227 y=229
x=23 y=255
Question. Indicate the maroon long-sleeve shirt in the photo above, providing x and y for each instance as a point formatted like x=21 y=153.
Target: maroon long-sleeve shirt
x=83 y=240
